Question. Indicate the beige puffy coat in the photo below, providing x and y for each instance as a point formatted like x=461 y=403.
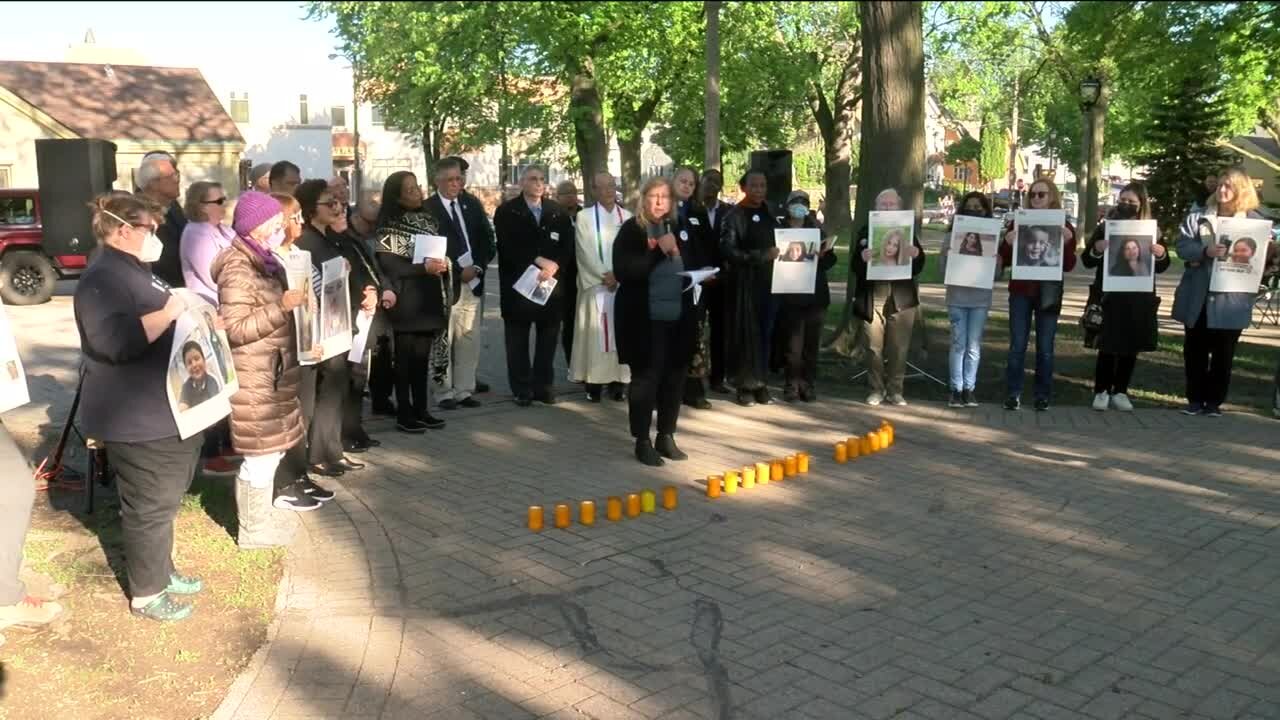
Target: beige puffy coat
x=266 y=416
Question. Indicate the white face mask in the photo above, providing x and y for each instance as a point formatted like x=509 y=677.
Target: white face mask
x=151 y=249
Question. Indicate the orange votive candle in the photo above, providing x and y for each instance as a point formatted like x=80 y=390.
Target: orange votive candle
x=854 y=446
x=884 y=438
x=633 y=504
x=748 y=477
x=864 y=445
x=791 y=465
x=648 y=501
x=535 y=518
x=669 y=497
x=587 y=513
x=762 y=473
x=873 y=441
x=841 y=453
x=777 y=471
x=613 y=509
x=802 y=462
x=713 y=485
x=891 y=433
x=562 y=516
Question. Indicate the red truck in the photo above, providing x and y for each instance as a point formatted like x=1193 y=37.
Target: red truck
x=28 y=271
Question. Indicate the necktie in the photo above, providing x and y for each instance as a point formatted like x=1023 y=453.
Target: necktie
x=457 y=220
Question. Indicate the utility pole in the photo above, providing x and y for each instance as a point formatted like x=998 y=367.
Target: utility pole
x=355 y=127
x=1013 y=136
x=711 y=156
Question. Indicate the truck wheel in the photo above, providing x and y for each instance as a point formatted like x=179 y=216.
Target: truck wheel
x=26 y=278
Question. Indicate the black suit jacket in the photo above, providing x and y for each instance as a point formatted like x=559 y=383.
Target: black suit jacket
x=479 y=231
x=520 y=240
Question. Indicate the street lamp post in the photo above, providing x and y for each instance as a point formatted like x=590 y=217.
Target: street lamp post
x=355 y=128
x=1090 y=94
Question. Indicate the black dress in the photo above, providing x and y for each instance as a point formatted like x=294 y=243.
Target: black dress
x=1129 y=324
x=745 y=241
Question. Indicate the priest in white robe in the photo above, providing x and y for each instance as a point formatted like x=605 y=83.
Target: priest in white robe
x=595 y=356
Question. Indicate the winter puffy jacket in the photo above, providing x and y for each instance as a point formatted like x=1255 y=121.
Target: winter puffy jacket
x=266 y=416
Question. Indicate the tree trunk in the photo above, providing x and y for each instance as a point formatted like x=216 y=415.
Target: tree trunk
x=892 y=150
x=432 y=134
x=588 y=126
x=711 y=146
x=1096 y=128
x=629 y=152
x=833 y=122
x=1013 y=137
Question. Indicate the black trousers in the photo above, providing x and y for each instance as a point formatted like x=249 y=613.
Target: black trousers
x=382 y=375
x=713 y=295
x=523 y=379
x=151 y=478
x=324 y=396
x=568 y=321
x=413 y=364
x=352 y=411
x=800 y=329
x=292 y=467
x=1113 y=373
x=657 y=381
x=1207 y=355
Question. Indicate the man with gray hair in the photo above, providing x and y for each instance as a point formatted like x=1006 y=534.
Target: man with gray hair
x=260 y=178
x=158 y=181
x=889 y=309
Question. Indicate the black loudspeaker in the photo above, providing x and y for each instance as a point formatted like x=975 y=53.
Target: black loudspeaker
x=71 y=173
x=776 y=165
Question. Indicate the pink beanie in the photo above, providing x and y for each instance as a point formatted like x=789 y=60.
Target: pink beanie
x=252 y=209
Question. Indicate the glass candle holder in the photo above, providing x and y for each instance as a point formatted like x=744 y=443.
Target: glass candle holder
x=762 y=473
x=748 y=477
x=713 y=485
x=613 y=509
x=562 y=516
x=802 y=462
x=670 y=495
x=841 y=454
x=633 y=505
x=791 y=465
x=587 y=513
x=648 y=501
x=535 y=518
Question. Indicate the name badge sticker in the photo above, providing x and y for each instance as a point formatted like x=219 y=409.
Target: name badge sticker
x=555 y=235
x=694 y=222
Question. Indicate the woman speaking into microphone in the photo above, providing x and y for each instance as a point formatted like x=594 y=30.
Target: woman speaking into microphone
x=656 y=324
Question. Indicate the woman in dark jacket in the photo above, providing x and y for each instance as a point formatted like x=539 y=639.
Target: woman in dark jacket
x=656 y=318
x=691 y=219
x=1129 y=322
x=324 y=385
x=424 y=293
x=748 y=250
x=800 y=317
x=125 y=316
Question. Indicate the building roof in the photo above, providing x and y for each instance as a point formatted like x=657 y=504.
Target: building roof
x=123 y=102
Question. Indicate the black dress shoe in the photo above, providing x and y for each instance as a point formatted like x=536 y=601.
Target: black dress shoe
x=618 y=391
x=523 y=400
x=721 y=388
x=666 y=447
x=372 y=443
x=329 y=469
x=808 y=394
x=349 y=465
x=384 y=408
x=413 y=427
x=698 y=403
x=595 y=394
x=482 y=387
x=646 y=454
x=470 y=402
x=545 y=397
x=356 y=447
x=745 y=399
x=431 y=422
x=763 y=397
x=790 y=395
x=449 y=404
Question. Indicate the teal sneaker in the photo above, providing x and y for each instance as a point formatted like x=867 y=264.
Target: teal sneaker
x=184 y=585
x=164 y=609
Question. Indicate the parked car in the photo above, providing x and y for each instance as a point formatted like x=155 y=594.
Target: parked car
x=27 y=272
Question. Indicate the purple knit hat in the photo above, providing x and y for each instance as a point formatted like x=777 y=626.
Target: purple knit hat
x=252 y=209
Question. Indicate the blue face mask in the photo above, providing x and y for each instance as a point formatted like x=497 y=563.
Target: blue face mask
x=798 y=211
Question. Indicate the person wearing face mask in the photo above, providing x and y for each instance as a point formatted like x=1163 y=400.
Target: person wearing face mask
x=748 y=251
x=1037 y=302
x=967 y=308
x=889 y=309
x=125 y=316
x=266 y=415
x=1129 y=319
x=800 y=317
x=1213 y=320
x=692 y=220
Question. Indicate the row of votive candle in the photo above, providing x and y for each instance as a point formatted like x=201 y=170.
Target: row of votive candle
x=874 y=441
x=631 y=506
x=760 y=473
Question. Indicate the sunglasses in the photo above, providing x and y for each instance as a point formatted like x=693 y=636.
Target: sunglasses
x=1040 y=194
x=215 y=201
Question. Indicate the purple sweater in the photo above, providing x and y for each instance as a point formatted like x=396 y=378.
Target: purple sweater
x=201 y=242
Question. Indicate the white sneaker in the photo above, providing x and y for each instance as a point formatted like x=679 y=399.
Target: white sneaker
x=1120 y=401
x=875 y=399
x=1100 y=401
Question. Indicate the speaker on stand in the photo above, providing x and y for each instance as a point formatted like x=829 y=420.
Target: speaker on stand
x=71 y=173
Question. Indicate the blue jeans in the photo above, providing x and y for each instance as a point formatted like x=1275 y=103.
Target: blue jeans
x=967 y=325
x=1021 y=308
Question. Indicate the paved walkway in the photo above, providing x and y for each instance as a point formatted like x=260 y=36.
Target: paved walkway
x=989 y=565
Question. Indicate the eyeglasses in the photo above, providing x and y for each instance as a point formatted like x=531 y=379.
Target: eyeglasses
x=331 y=204
x=296 y=217
x=1040 y=194
x=215 y=201
x=151 y=227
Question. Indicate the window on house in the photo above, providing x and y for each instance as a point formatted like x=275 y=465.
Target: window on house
x=6 y=176
x=304 y=117
x=338 y=116
x=240 y=107
x=376 y=112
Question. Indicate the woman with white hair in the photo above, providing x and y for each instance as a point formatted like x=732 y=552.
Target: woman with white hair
x=889 y=309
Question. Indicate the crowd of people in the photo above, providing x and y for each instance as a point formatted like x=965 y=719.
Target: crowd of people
x=623 y=291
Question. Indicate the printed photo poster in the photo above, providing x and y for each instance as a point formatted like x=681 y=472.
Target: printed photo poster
x=889 y=234
x=971 y=258
x=202 y=376
x=1037 y=250
x=13 y=378
x=537 y=291
x=335 y=309
x=306 y=319
x=1128 y=265
x=796 y=268
x=1246 y=241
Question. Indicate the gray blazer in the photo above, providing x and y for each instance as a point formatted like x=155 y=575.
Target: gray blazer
x=1226 y=311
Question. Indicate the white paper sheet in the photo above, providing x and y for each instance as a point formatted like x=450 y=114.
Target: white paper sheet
x=197 y=404
x=306 y=318
x=890 y=234
x=1118 y=274
x=465 y=260
x=1037 y=244
x=795 y=271
x=335 y=308
x=429 y=246
x=604 y=305
x=964 y=268
x=364 y=321
x=538 y=292
x=696 y=278
x=1230 y=274
x=13 y=378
